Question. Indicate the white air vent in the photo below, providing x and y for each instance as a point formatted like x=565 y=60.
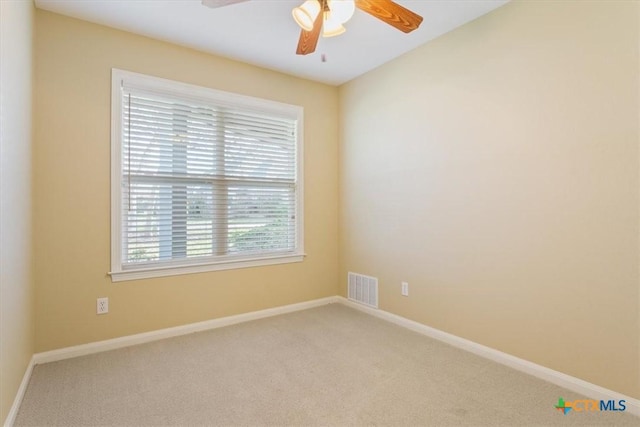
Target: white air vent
x=363 y=289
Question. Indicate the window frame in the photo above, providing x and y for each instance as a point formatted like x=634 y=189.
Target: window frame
x=119 y=271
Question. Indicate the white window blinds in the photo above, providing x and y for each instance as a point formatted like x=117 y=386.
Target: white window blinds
x=204 y=181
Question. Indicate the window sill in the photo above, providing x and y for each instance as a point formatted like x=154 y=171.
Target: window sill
x=151 y=272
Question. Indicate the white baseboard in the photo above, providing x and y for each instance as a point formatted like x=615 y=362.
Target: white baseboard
x=17 y=401
x=129 y=340
x=558 y=378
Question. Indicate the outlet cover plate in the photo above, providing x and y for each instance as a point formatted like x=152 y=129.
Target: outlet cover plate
x=405 y=289
x=102 y=306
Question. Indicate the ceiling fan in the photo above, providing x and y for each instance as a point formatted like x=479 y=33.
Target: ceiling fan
x=327 y=16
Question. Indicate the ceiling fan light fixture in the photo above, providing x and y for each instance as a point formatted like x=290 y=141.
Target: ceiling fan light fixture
x=342 y=10
x=306 y=14
x=332 y=27
x=333 y=32
x=335 y=13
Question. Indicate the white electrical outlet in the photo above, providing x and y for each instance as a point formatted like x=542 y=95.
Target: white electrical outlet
x=103 y=306
x=405 y=289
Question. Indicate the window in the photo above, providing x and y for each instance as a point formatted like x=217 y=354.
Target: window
x=201 y=180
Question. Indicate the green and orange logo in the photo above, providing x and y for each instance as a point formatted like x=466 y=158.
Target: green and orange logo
x=563 y=406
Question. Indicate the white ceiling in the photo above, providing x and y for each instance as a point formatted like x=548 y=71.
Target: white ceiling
x=263 y=33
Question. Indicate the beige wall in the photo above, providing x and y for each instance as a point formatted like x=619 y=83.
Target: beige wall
x=496 y=170
x=16 y=284
x=72 y=146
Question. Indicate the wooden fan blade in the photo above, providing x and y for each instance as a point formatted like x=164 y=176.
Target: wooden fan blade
x=309 y=39
x=391 y=13
x=213 y=4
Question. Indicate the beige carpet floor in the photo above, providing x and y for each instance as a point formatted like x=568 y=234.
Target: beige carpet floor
x=329 y=366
